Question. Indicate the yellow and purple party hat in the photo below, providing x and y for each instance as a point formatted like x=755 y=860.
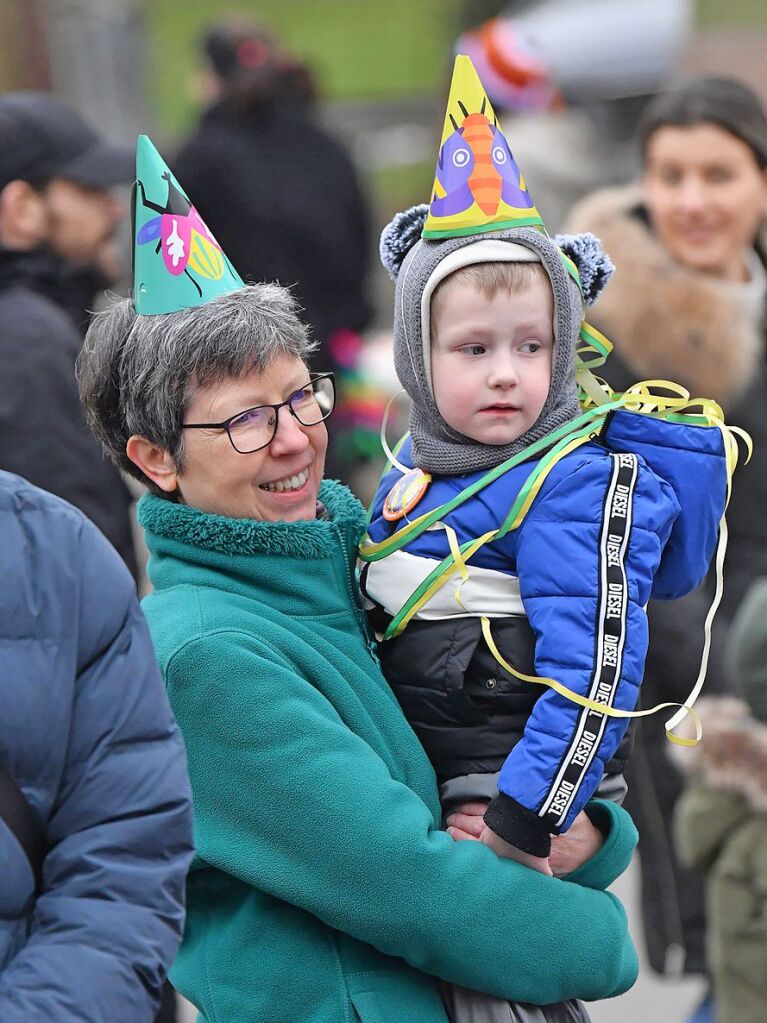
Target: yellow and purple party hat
x=177 y=262
x=477 y=185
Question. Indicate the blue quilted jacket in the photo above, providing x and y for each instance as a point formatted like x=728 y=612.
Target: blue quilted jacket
x=617 y=521
x=87 y=734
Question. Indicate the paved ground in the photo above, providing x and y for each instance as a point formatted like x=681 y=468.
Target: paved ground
x=651 y=999
x=187 y=1013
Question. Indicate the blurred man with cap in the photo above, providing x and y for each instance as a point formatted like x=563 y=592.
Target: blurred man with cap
x=57 y=224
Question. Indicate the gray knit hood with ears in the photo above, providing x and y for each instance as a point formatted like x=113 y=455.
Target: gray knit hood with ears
x=414 y=263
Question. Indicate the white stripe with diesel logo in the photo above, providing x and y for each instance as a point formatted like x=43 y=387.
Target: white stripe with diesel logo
x=611 y=637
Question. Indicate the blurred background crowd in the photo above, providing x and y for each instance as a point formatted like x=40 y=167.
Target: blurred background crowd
x=298 y=128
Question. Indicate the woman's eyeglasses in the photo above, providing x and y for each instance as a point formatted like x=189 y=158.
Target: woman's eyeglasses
x=255 y=428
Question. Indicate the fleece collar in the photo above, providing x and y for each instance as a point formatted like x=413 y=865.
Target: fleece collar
x=315 y=538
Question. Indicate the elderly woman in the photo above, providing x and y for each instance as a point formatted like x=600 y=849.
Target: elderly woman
x=687 y=303
x=323 y=888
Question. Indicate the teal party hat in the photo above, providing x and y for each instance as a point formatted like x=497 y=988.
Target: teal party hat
x=177 y=263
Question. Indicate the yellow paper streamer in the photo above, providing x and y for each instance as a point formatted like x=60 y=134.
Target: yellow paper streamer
x=600 y=708
x=643 y=397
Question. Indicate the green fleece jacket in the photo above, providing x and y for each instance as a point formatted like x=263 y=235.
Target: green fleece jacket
x=323 y=888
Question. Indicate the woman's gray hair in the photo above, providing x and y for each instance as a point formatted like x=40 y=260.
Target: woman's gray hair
x=137 y=373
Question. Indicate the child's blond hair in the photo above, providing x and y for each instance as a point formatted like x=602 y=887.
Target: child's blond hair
x=489 y=279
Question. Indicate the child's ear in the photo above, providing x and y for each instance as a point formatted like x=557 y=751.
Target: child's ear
x=594 y=265
x=400 y=235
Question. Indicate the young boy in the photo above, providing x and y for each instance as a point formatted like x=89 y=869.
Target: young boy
x=485 y=334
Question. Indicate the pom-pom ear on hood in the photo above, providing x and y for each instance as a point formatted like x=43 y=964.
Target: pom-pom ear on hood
x=400 y=235
x=594 y=265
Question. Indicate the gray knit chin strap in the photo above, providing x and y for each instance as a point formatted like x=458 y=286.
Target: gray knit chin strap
x=437 y=452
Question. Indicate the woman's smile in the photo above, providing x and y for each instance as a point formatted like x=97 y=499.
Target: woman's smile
x=288 y=486
x=278 y=482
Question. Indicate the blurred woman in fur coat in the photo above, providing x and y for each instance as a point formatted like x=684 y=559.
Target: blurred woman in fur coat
x=687 y=303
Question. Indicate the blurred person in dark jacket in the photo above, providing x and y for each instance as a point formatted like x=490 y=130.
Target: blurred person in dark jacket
x=687 y=303
x=721 y=819
x=57 y=224
x=280 y=193
x=95 y=807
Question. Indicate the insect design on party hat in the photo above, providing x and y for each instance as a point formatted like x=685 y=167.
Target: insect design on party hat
x=193 y=268
x=477 y=185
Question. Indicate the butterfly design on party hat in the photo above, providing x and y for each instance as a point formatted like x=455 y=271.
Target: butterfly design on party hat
x=177 y=262
x=477 y=185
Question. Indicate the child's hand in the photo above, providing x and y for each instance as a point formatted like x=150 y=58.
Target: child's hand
x=467 y=821
x=510 y=852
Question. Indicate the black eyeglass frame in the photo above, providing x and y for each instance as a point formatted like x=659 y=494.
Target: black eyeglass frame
x=226 y=424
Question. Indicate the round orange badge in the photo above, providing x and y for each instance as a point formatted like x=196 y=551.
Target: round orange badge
x=405 y=494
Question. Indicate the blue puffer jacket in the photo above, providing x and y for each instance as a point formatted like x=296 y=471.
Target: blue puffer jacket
x=614 y=523
x=87 y=734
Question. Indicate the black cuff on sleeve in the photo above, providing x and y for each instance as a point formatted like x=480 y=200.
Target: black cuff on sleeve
x=518 y=826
